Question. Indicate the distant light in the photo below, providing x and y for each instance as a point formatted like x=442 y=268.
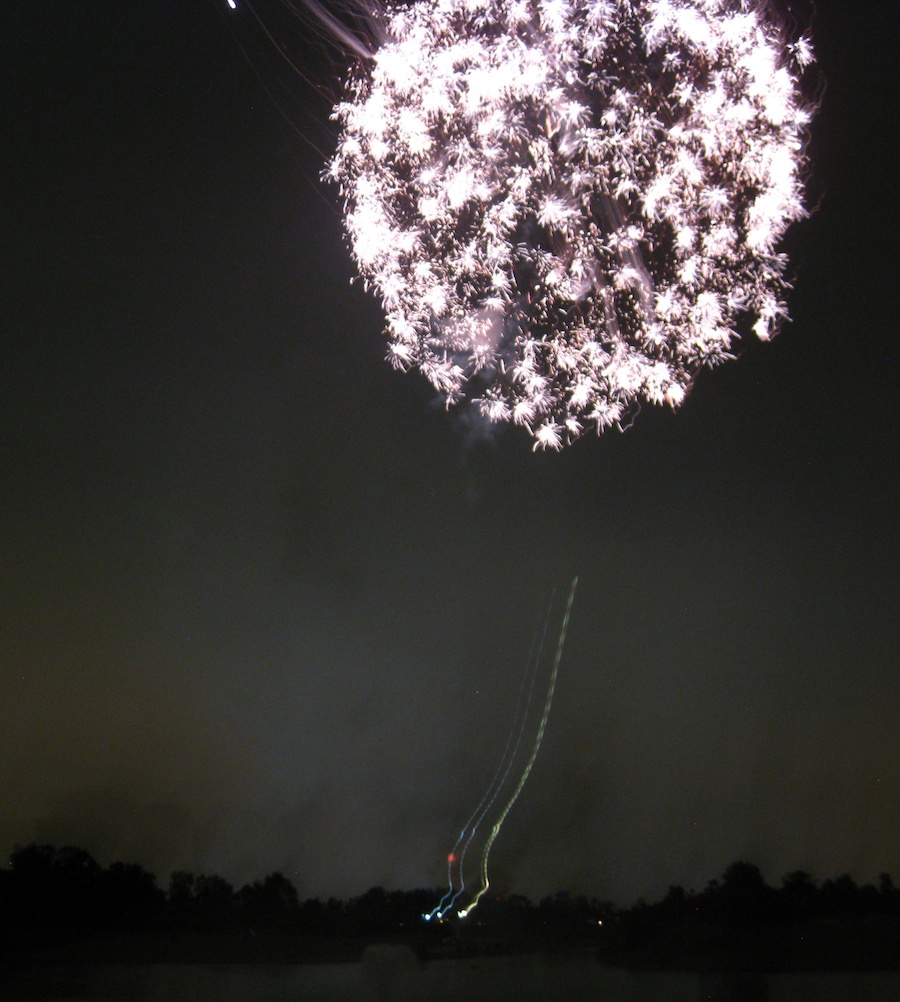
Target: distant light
x=232 y=4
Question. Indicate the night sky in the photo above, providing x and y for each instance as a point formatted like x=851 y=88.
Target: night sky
x=265 y=606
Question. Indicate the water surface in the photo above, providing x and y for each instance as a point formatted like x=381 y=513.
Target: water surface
x=497 y=979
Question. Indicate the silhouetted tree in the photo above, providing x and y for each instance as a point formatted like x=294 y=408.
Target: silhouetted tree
x=213 y=904
x=799 y=896
x=56 y=888
x=270 y=904
x=129 y=898
x=890 y=895
x=742 y=896
x=840 y=897
x=180 y=899
x=369 y=914
x=675 y=905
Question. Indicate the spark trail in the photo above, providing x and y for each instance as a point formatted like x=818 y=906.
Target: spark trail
x=495 y=831
x=510 y=756
x=456 y=858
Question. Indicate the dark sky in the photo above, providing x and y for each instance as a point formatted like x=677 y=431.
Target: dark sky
x=264 y=606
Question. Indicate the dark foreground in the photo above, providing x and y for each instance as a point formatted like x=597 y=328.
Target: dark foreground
x=837 y=946
x=522 y=978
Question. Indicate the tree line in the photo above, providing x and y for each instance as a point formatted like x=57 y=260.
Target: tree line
x=742 y=922
x=49 y=893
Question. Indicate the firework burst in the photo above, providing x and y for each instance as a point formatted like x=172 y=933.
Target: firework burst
x=565 y=205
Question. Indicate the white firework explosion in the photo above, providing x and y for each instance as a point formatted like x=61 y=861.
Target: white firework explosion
x=564 y=205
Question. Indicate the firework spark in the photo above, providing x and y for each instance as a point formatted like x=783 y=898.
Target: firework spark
x=565 y=205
